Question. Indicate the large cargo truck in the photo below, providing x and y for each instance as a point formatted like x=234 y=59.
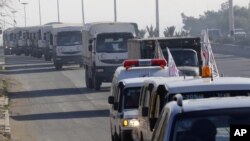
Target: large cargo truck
x=66 y=41
x=104 y=49
x=186 y=52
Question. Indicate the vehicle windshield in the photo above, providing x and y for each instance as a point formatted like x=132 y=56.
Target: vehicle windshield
x=113 y=42
x=183 y=57
x=209 y=125
x=131 y=97
x=69 y=38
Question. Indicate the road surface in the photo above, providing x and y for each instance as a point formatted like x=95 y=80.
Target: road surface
x=50 y=105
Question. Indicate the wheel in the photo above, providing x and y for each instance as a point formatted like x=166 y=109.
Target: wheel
x=26 y=53
x=97 y=83
x=141 y=139
x=58 y=66
x=88 y=81
x=39 y=55
x=46 y=57
x=81 y=65
x=112 y=138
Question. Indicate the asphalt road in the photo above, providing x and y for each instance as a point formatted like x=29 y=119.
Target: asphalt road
x=50 y=105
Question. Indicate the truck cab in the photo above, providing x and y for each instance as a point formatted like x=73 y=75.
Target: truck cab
x=186 y=52
x=105 y=48
x=66 y=40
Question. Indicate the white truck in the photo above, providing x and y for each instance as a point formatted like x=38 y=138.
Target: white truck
x=66 y=40
x=43 y=42
x=104 y=49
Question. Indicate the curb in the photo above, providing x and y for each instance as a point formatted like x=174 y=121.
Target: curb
x=5 y=125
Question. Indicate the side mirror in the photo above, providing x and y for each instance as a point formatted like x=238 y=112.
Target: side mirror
x=111 y=100
x=116 y=105
x=144 y=111
x=90 y=48
x=90 y=41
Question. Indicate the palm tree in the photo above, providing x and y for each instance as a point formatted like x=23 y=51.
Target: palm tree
x=142 y=33
x=169 y=31
x=151 y=31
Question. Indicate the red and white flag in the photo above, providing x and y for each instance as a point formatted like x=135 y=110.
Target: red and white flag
x=207 y=54
x=173 y=70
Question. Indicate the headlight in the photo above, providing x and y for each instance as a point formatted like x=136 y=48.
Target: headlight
x=130 y=123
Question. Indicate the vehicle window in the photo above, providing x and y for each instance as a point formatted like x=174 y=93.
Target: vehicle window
x=183 y=57
x=212 y=126
x=115 y=42
x=69 y=38
x=148 y=50
x=131 y=98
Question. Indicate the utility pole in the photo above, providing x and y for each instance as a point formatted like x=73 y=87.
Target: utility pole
x=115 y=12
x=83 y=21
x=231 y=18
x=157 y=19
x=14 y=18
x=58 y=11
x=24 y=8
x=40 y=17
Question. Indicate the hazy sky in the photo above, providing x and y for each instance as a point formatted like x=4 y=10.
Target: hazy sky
x=139 y=11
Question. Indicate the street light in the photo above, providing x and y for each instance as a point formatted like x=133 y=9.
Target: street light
x=157 y=18
x=83 y=21
x=24 y=7
x=14 y=17
x=40 y=18
x=115 y=12
x=231 y=18
x=58 y=11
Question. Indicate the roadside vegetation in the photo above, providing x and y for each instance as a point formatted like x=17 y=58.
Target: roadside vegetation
x=219 y=20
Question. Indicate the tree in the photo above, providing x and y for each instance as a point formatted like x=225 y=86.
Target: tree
x=6 y=6
x=217 y=19
x=182 y=33
x=169 y=31
x=142 y=33
x=151 y=31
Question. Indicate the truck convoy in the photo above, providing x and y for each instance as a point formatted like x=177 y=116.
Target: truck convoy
x=186 y=52
x=62 y=42
x=104 y=49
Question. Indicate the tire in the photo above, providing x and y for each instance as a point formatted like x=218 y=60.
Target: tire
x=97 y=83
x=88 y=81
x=81 y=65
x=39 y=55
x=58 y=66
x=112 y=137
x=26 y=53
x=141 y=139
x=46 y=57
